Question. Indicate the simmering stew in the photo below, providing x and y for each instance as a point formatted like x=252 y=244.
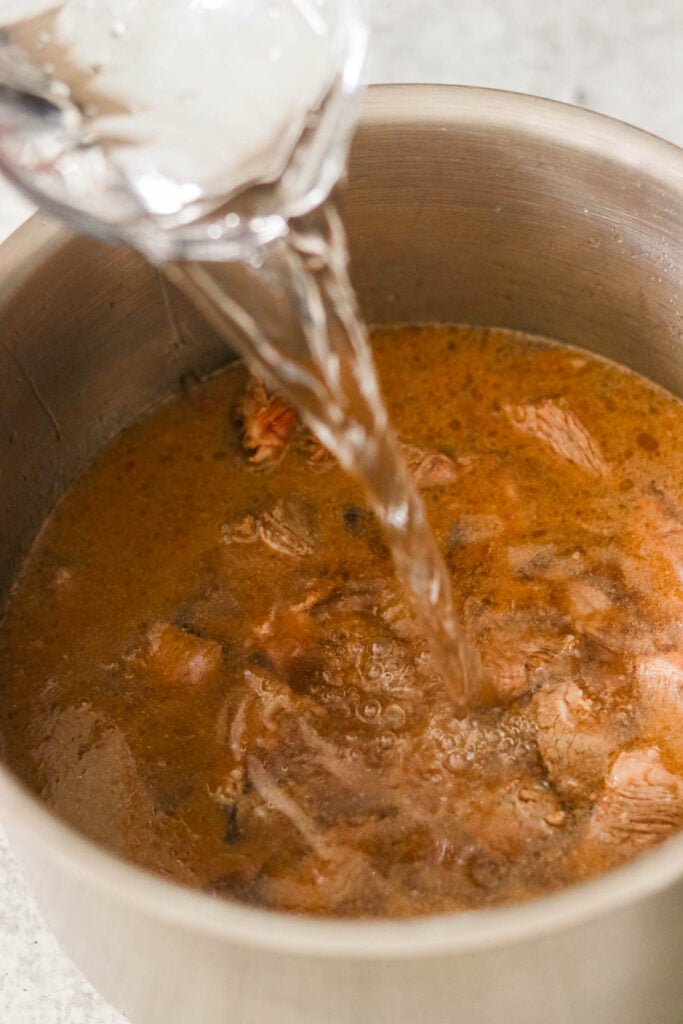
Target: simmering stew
x=208 y=666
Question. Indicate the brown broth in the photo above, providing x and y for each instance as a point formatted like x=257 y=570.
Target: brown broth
x=208 y=667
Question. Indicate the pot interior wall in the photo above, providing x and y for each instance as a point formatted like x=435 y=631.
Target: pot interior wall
x=87 y=345
x=451 y=221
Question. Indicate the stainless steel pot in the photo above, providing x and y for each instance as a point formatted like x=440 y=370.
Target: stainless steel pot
x=462 y=205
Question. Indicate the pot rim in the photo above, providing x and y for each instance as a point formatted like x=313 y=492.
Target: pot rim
x=434 y=106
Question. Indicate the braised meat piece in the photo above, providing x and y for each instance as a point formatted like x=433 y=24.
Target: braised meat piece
x=575 y=742
x=523 y=648
x=642 y=804
x=429 y=468
x=659 y=686
x=175 y=657
x=287 y=527
x=264 y=420
x=554 y=424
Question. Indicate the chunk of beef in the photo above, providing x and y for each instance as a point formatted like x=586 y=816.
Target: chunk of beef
x=378 y=596
x=428 y=467
x=642 y=804
x=176 y=657
x=278 y=800
x=265 y=714
x=93 y=778
x=265 y=422
x=339 y=785
x=602 y=607
x=286 y=634
x=521 y=649
x=314 y=865
x=660 y=680
x=287 y=527
x=575 y=745
x=658 y=527
x=354 y=651
x=659 y=685
x=95 y=782
x=553 y=422
x=519 y=814
x=345 y=635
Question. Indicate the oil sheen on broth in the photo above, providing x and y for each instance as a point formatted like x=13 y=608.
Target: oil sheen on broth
x=209 y=667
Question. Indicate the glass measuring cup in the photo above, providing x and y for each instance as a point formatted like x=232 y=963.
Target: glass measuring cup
x=188 y=129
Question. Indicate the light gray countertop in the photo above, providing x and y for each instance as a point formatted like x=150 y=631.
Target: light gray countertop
x=620 y=57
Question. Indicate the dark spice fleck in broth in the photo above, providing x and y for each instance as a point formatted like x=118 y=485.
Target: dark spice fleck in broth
x=208 y=667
